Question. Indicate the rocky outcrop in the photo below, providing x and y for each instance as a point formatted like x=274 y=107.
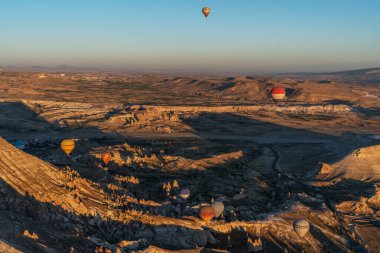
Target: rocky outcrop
x=361 y=164
x=46 y=183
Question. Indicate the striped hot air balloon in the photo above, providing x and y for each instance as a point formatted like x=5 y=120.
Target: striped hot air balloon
x=206 y=11
x=106 y=157
x=184 y=193
x=206 y=213
x=218 y=208
x=301 y=227
x=68 y=146
x=278 y=93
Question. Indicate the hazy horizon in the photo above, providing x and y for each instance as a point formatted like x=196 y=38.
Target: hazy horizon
x=173 y=36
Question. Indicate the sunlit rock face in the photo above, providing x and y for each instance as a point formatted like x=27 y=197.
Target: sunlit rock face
x=361 y=164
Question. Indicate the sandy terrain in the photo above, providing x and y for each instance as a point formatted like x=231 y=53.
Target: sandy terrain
x=313 y=156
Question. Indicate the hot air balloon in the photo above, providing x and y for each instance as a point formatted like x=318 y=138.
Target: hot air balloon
x=106 y=158
x=184 y=193
x=278 y=93
x=218 y=208
x=206 y=11
x=67 y=146
x=19 y=144
x=301 y=227
x=206 y=213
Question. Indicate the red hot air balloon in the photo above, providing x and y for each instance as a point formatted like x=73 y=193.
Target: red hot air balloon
x=278 y=93
x=106 y=158
x=206 y=213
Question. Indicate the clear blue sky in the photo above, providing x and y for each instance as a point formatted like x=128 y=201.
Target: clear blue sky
x=240 y=35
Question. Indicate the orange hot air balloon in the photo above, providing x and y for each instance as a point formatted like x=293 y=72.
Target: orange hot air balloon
x=206 y=11
x=106 y=158
x=278 y=93
x=206 y=213
x=67 y=146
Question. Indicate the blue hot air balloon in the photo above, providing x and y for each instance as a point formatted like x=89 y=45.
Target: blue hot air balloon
x=19 y=144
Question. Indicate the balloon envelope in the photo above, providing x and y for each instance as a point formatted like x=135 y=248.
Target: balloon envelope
x=67 y=146
x=206 y=11
x=206 y=213
x=106 y=158
x=19 y=144
x=184 y=193
x=218 y=208
x=278 y=93
x=301 y=227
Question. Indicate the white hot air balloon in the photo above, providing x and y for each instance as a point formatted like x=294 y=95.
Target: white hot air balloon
x=218 y=208
x=301 y=227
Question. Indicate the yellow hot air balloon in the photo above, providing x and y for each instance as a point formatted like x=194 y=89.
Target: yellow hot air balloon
x=67 y=146
x=206 y=11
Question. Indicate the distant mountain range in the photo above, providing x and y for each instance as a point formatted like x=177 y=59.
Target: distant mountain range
x=59 y=68
x=369 y=73
x=358 y=72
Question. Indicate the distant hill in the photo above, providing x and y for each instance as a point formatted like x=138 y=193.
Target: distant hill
x=358 y=72
x=361 y=164
x=364 y=76
x=59 y=68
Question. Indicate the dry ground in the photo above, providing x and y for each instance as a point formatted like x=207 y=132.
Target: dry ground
x=272 y=163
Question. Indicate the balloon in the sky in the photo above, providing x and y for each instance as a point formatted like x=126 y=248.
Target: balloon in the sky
x=67 y=146
x=19 y=144
x=278 y=93
x=218 y=208
x=106 y=157
x=206 y=213
x=184 y=193
x=301 y=227
x=206 y=11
